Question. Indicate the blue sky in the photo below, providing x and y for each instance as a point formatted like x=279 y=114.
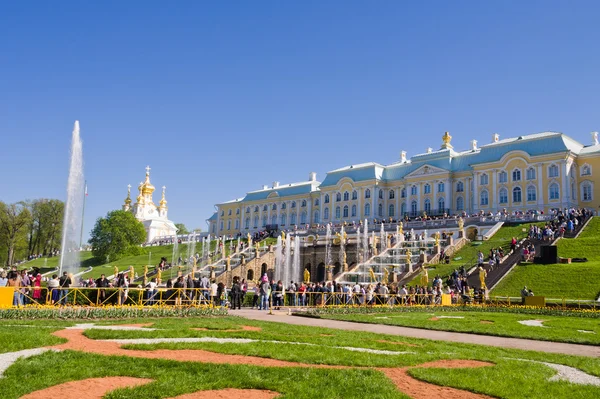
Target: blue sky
x=220 y=98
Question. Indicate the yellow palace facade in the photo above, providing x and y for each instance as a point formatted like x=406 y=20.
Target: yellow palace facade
x=536 y=172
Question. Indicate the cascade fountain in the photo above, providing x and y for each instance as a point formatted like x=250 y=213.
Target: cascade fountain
x=358 y=246
x=328 y=246
x=296 y=269
x=193 y=247
x=365 y=243
x=175 y=251
x=342 y=249
x=288 y=260
x=382 y=238
x=73 y=218
x=278 y=275
x=204 y=248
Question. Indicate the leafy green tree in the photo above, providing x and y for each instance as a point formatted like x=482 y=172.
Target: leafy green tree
x=116 y=235
x=45 y=225
x=14 y=221
x=181 y=229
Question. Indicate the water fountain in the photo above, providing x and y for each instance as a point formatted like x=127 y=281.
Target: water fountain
x=366 y=241
x=73 y=218
x=175 y=252
x=278 y=275
x=382 y=239
x=288 y=260
x=296 y=267
x=342 y=255
x=328 y=246
x=358 y=246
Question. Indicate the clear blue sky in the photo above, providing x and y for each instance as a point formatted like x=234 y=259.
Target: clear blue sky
x=222 y=97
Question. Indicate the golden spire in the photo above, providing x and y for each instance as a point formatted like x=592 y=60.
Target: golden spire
x=140 y=197
x=446 y=138
x=163 y=201
x=147 y=187
x=128 y=199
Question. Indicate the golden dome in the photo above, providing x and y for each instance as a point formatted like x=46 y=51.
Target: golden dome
x=163 y=201
x=128 y=199
x=147 y=188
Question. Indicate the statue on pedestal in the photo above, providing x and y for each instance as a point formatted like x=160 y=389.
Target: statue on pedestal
x=158 y=276
x=249 y=240
x=424 y=277
x=306 y=276
x=401 y=228
x=437 y=238
x=115 y=272
x=131 y=274
x=461 y=223
x=482 y=276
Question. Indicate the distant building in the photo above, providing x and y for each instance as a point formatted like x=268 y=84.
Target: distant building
x=536 y=172
x=153 y=217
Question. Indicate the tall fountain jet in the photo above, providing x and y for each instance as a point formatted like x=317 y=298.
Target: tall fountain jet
x=72 y=223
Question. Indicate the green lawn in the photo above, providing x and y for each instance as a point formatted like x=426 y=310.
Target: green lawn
x=557 y=328
x=294 y=343
x=572 y=281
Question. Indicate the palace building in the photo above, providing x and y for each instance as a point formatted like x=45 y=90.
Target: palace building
x=536 y=172
x=153 y=217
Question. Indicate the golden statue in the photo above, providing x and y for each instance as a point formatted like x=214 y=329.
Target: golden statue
x=283 y=236
x=131 y=273
x=145 y=271
x=115 y=271
x=158 y=276
x=446 y=138
x=401 y=228
x=437 y=238
x=372 y=273
x=386 y=275
x=249 y=240
x=424 y=277
x=482 y=276
x=461 y=223
x=306 y=276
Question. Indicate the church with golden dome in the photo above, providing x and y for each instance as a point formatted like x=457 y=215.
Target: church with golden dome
x=153 y=217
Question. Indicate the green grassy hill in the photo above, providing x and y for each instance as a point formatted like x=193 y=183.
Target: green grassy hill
x=574 y=281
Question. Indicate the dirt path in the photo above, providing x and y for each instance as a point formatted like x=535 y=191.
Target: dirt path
x=513 y=343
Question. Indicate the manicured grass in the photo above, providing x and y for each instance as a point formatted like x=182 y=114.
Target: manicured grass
x=16 y=335
x=557 y=328
x=327 y=347
x=52 y=262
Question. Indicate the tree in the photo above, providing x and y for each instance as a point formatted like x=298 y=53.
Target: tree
x=14 y=220
x=116 y=235
x=181 y=229
x=45 y=225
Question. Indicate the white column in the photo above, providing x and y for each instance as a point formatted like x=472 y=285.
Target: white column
x=540 y=188
x=493 y=193
x=448 y=195
x=419 y=188
x=359 y=211
x=435 y=192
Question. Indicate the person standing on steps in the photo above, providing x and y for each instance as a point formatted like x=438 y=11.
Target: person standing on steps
x=236 y=293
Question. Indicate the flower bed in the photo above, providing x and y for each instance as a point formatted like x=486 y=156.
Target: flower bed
x=108 y=312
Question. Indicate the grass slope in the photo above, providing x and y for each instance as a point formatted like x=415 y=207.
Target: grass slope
x=574 y=281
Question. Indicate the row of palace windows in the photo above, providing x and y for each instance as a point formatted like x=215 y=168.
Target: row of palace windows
x=531 y=194
x=530 y=174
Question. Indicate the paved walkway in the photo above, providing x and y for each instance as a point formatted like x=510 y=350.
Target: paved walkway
x=514 y=343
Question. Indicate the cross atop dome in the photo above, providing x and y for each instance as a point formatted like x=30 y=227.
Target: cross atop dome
x=147 y=170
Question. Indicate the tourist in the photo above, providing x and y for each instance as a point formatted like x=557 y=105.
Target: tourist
x=256 y=296
x=222 y=294
x=213 y=293
x=244 y=287
x=37 y=287
x=205 y=288
x=265 y=294
x=236 y=293
x=14 y=280
x=53 y=290
x=3 y=279
x=123 y=284
x=150 y=292
x=179 y=287
x=102 y=283
x=64 y=283
x=25 y=284
x=524 y=293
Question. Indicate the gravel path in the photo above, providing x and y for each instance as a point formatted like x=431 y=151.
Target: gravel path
x=567 y=373
x=92 y=326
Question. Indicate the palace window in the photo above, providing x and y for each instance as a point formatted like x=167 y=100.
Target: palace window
x=354 y=195
x=274 y=220
x=391 y=210
x=586 y=170
x=502 y=177
x=517 y=194
x=316 y=217
x=586 y=191
x=460 y=187
x=531 y=193
x=317 y=202
x=326 y=213
x=427 y=205
x=338 y=197
x=337 y=212
x=293 y=218
x=346 y=196
x=283 y=219
x=353 y=210
x=516 y=175
x=229 y=212
x=237 y=224
x=283 y=206
x=222 y=214
x=303 y=218
x=403 y=193
x=367 y=209
x=414 y=207
x=483 y=198
x=380 y=210
x=413 y=190
x=380 y=194
x=402 y=209
x=483 y=179
x=264 y=221
x=221 y=225
x=503 y=196
x=247 y=223
x=265 y=208
x=303 y=204
x=392 y=194
x=427 y=189
x=441 y=187
x=327 y=198
x=460 y=204
x=367 y=193
x=274 y=207
x=293 y=204
x=441 y=205
x=531 y=174
x=553 y=171
x=553 y=191
x=256 y=208
x=345 y=211
x=229 y=225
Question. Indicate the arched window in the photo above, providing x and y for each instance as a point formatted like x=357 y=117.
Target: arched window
x=303 y=218
x=503 y=196
x=380 y=194
x=247 y=209
x=367 y=193
x=316 y=217
x=483 y=179
x=274 y=207
x=441 y=205
x=327 y=198
x=460 y=204
x=367 y=209
x=303 y=204
x=553 y=171
x=484 y=198
x=264 y=221
x=380 y=210
x=503 y=177
x=460 y=187
x=274 y=220
x=427 y=189
x=229 y=225
x=427 y=205
x=586 y=170
x=337 y=212
x=237 y=211
x=222 y=213
x=354 y=195
x=265 y=208
x=587 y=193
x=317 y=202
x=531 y=193
x=353 y=210
x=392 y=194
x=293 y=204
x=345 y=211
x=531 y=174
x=293 y=218
x=403 y=193
x=553 y=191
x=573 y=191
x=237 y=224
x=414 y=208
x=517 y=194
x=402 y=209
x=221 y=225
x=338 y=197
x=256 y=208
x=283 y=219
x=413 y=190
x=229 y=213
x=391 y=210
x=441 y=187
x=255 y=222
x=516 y=175
x=326 y=214
x=283 y=206
x=346 y=196
x=247 y=223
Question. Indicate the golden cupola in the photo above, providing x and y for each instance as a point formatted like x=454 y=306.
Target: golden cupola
x=446 y=138
x=147 y=188
x=128 y=199
x=163 y=201
x=140 y=197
